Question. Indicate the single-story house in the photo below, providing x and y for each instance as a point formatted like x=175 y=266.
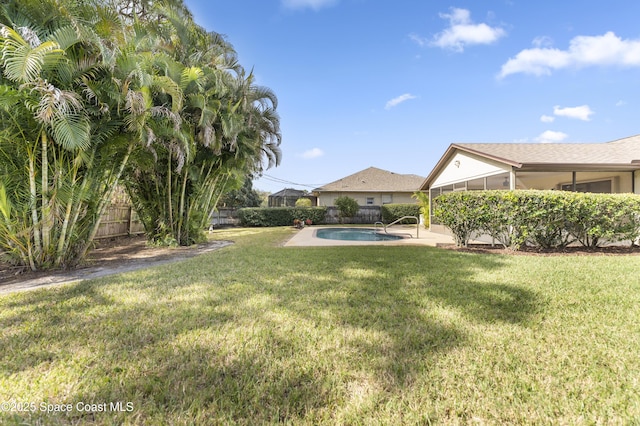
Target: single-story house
x=611 y=167
x=371 y=187
x=288 y=197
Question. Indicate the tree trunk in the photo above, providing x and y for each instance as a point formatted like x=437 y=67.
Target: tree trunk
x=46 y=208
x=169 y=195
x=104 y=201
x=62 y=243
x=181 y=208
x=34 y=252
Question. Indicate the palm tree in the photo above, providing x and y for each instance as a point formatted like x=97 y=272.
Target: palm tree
x=89 y=92
x=194 y=158
x=61 y=121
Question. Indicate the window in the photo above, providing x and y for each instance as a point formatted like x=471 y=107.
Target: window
x=446 y=189
x=460 y=186
x=601 y=186
x=500 y=181
x=475 y=184
x=369 y=201
x=387 y=198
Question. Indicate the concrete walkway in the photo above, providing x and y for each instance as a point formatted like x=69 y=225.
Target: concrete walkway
x=303 y=238
x=306 y=238
x=74 y=276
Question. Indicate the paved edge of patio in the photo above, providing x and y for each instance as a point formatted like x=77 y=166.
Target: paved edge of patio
x=306 y=238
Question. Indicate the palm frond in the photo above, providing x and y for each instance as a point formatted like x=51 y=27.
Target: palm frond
x=190 y=75
x=71 y=131
x=166 y=85
x=21 y=61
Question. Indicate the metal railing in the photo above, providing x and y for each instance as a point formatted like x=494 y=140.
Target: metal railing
x=400 y=220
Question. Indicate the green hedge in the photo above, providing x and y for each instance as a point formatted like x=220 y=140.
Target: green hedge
x=392 y=212
x=546 y=219
x=280 y=216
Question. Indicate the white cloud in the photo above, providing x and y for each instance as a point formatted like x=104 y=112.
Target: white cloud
x=311 y=4
x=582 y=112
x=551 y=136
x=418 y=39
x=547 y=119
x=621 y=103
x=312 y=153
x=583 y=51
x=398 y=100
x=542 y=41
x=462 y=32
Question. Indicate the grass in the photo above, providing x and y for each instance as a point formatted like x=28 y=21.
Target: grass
x=257 y=333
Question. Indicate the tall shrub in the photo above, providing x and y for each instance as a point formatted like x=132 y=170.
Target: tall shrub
x=347 y=207
x=500 y=224
x=393 y=212
x=547 y=216
x=464 y=213
x=303 y=202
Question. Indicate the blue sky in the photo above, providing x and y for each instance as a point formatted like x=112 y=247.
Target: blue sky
x=389 y=84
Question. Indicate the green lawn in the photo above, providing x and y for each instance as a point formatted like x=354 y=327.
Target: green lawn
x=257 y=333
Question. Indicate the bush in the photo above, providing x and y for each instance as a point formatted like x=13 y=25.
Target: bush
x=280 y=216
x=423 y=201
x=545 y=219
x=464 y=213
x=347 y=207
x=393 y=212
x=303 y=202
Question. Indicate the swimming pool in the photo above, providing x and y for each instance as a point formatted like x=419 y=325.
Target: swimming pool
x=355 y=234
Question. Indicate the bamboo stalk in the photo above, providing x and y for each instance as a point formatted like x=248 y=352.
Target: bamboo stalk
x=104 y=201
x=33 y=196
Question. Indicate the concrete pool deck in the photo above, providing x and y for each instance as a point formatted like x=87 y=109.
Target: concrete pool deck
x=306 y=237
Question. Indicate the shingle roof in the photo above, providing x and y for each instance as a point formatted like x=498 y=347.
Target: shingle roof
x=289 y=192
x=622 y=151
x=374 y=179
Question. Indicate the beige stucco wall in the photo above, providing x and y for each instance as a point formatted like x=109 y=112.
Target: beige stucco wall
x=328 y=198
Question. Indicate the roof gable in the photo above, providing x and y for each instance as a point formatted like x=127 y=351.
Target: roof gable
x=374 y=179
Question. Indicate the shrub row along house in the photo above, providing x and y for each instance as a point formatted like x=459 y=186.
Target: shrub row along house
x=611 y=167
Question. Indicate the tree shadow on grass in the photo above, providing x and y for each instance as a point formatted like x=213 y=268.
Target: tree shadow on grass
x=399 y=296
x=289 y=345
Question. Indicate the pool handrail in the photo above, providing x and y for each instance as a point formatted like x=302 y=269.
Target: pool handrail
x=399 y=220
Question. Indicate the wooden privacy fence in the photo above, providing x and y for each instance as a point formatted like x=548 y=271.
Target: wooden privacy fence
x=365 y=215
x=118 y=221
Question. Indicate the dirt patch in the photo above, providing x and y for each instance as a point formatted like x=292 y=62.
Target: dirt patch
x=108 y=257
x=534 y=251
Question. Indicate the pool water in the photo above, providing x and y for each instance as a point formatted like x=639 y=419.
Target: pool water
x=354 y=234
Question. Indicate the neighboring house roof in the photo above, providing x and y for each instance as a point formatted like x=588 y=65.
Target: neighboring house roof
x=289 y=192
x=622 y=154
x=374 y=180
